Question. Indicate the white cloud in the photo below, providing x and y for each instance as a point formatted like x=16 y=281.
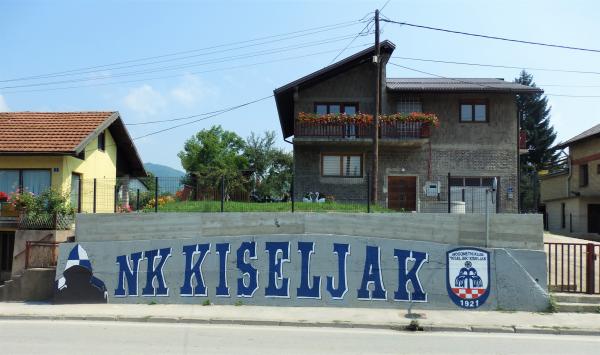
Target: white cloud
x=145 y=100
x=191 y=91
x=3 y=104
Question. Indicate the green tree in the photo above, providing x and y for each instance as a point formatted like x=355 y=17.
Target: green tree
x=271 y=167
x=213 y=153
x=534 y=118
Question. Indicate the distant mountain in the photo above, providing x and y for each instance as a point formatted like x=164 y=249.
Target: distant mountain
x=162 y=170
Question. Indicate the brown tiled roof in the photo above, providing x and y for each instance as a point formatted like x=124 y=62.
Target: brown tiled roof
x=47 y=132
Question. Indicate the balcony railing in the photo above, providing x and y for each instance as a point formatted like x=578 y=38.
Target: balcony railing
x=391 y=130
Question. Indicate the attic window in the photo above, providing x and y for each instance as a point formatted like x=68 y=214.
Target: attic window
x=101 y=141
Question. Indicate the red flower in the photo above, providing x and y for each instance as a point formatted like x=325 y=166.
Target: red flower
x=3 y=196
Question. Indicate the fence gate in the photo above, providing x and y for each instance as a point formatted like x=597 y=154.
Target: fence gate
x=573 y=267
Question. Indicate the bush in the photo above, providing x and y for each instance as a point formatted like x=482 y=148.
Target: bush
x=49 y=202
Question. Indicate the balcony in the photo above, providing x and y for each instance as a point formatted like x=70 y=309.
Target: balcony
x=390 y=133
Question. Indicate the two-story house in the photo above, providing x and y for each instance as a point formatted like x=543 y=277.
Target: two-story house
x=570 y=190
x=477 y=140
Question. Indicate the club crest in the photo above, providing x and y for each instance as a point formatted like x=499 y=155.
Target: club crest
x=467 y=280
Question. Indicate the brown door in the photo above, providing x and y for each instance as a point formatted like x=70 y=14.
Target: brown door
x=593 y=218
x=402 y=193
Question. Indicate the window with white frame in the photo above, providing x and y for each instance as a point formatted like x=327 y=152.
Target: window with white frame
x=341 y=165
x=409 y=106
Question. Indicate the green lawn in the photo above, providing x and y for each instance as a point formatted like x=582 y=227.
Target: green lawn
x=230 y=206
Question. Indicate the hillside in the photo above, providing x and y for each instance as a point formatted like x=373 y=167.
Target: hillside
x=162 y=170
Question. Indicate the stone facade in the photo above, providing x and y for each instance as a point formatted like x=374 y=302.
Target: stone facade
x=486 y=149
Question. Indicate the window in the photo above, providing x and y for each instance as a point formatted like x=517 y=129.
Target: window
x=473 y=111
x=583 y=175
x=409 y=106
x=348 y=108
x=472 y=181
x=341 y=165
x=36 y=181
x=101 y=141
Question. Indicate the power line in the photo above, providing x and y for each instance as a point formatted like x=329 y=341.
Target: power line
x=322 y=28
x=180 y=75
x=498 y=66
x=220 y=112
x=493 y=37
x=353 y=39
x=482 y=85
x=192 y=64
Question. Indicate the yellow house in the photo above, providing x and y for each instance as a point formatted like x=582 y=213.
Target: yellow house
x=80 y=153
x=570 y=191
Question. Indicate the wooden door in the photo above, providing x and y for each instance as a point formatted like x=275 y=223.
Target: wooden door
x=593 y=218
x=402 y=193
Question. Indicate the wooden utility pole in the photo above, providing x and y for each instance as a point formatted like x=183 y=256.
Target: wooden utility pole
x=375 y=164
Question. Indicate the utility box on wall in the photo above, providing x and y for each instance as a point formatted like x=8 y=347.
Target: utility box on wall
x=432 y=188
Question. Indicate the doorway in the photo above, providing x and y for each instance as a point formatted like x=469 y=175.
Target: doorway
x=402 y=193
x=7 y=246
x=594 y=218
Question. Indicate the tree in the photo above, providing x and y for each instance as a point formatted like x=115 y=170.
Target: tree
x=213 y=153
x=271 y=167
x=534 y=118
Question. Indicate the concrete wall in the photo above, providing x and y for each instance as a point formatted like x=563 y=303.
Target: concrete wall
x=576 y=214
x=516 y=231
x=31 y=285
x=23 y=236
x=554 y=187
x=516 y=274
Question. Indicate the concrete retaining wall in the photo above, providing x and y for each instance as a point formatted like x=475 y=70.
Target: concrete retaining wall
x=506 y=230
x=395 y=260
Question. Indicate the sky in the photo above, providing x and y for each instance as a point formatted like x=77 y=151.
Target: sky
x=233 y=52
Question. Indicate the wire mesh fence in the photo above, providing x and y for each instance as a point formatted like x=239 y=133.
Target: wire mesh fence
x=299 y=193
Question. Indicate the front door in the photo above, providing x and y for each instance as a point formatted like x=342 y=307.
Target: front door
x=7 y=245
x=402 y=193
x=75 y=193
x=593 y=218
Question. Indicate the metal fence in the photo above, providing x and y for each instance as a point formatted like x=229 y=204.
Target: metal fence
x=41 y=254
x=573 y=267
x=300 y=193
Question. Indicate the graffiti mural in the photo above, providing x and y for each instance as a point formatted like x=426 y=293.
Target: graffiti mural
x=78 y=283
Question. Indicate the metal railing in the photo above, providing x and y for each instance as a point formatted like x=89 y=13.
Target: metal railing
x=391 y=130
x=41 y=254
x=573 y=267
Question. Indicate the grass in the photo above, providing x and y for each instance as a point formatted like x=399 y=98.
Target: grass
x=231 y=206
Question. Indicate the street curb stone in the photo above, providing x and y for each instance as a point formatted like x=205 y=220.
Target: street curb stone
x=492 y=329
x=384 y=326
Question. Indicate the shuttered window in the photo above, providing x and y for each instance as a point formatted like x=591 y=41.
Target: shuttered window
x=409 y=106
x=341 y=165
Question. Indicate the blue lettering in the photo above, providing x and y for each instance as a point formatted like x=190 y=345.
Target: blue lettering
x=412 y=276
x=129 y=272
x=342 y=251
x=305 y=291
x=274 y=249
x=223 y=251
x=372 y=275
x=244 y=290
x=194 y=270
x=155 y=271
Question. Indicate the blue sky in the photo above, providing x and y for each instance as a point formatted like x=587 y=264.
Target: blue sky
x=41 y=37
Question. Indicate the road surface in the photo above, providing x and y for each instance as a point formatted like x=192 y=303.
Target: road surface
x=81 y=337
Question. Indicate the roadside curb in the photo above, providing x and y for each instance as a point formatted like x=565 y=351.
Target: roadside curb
x=340 y=324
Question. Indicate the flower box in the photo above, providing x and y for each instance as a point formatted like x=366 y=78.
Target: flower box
x=8 y=210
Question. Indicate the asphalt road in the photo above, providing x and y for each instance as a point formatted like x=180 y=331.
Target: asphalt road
x=80 y=337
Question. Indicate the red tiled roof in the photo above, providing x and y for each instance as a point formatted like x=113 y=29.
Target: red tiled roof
x=47 y=132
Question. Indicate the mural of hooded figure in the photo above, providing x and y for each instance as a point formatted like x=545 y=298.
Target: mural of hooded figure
x=78 y=284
